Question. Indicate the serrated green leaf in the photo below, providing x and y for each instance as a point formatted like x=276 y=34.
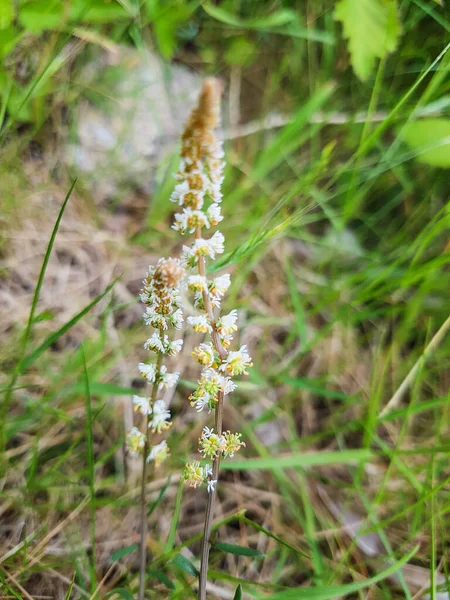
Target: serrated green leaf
x=237 y=550
x=185 y=565
x=372 y=28
x=118 y=554
x=430 y=138
x=238 y=593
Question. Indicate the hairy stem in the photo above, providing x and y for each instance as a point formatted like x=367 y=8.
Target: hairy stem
x=218 y=427
x=143 y=499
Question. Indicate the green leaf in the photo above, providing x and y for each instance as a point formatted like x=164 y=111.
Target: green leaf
x=118 y=554
x=277 y=19
x=122 y=592
x=6 y=13
x=238 y=593
x=162 y=578
x=104 y=389
x=430 y=138
x=97 y=11
x=241 y=51
x=158 y=500
x=336 y=591
x=166 y=21
x=311 y=459
x=9 y=589
x=69 y=590
x=238 y=550
x=185 y=565
x=38 y=15
x=27 y=333
x=271 y=535
x=372 y=28
x=9 y=37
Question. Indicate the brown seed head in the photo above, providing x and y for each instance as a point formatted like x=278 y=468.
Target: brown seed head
x=202 y=120
x=168 y=274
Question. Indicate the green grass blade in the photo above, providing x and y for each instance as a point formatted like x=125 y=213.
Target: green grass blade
x=237 y=550
x=312 y=459
x=336 y=591
x=91 y=471
x=27 y=333
x=62 y=330
x=175 y=518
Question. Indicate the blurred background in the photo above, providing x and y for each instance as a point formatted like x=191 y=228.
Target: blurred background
x=336 y=121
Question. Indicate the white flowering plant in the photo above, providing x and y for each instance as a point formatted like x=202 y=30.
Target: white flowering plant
x=198 y=193
x=161 y=297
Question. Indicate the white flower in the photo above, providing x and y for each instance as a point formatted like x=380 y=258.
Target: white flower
x=213 y=382
x=216 y=244
x=228 y=386
x=202 y=402
x=215 y=192
x=187 y=196
x=176 y=319
x=200 y=324
x=227 y=323
x=181 y=222
x=155 y=319
x=225 y=340
x=207 y=431
x=158 y=453
x=196 y=283
x=220 y=285
x=167 y=380
x=148 y=371
x=155 y=343
x=236 y=363
x=135 y=441
x=160 y=416
x=211 y=485
x=142 y=405
x=174 y=347
x=189 y=220
x=188 y=257
x=213 y=215
x=203 y=247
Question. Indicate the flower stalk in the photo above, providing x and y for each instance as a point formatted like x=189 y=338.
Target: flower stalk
x=200 y=177
x=161 y=297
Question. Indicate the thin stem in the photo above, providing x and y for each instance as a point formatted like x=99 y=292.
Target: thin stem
x=218 y=427
x=144 y=521
x=206 y=545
